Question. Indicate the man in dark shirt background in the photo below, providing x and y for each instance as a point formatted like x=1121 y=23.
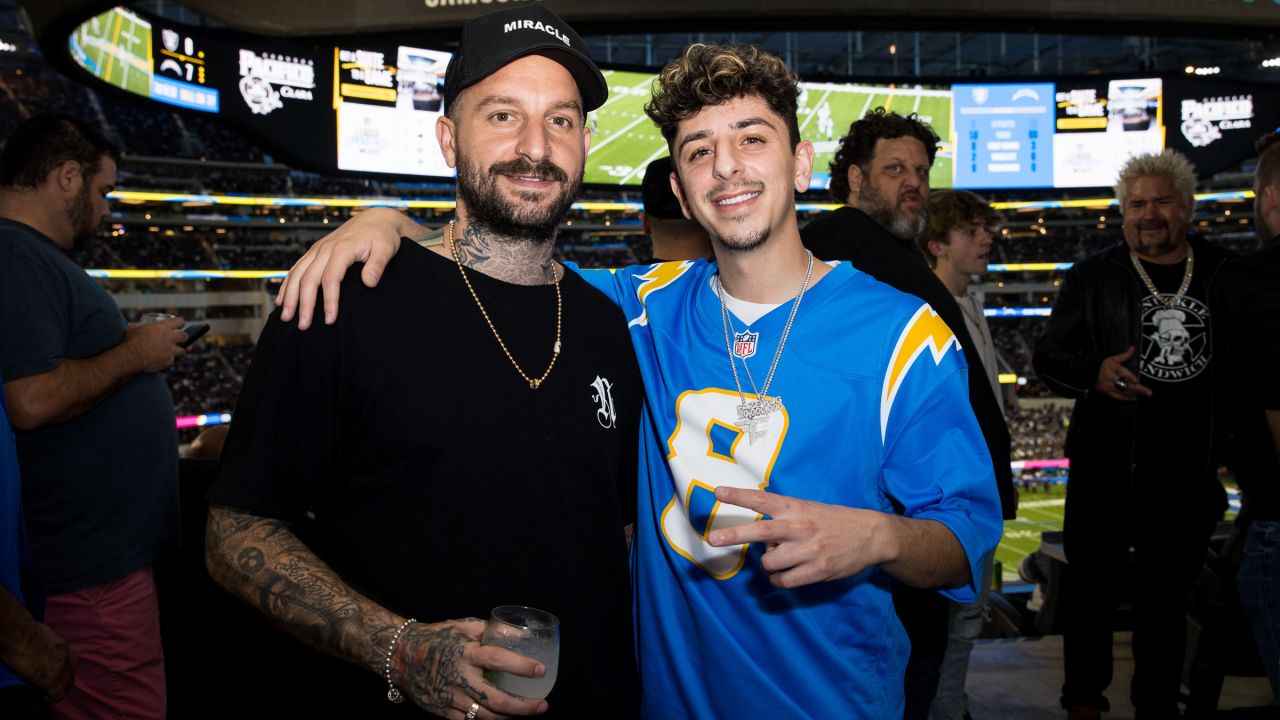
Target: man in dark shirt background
x=97 y=443
x=1247 y=307
x=881 y=174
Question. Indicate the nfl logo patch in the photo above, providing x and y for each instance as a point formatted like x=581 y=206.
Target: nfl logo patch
x=744 y=344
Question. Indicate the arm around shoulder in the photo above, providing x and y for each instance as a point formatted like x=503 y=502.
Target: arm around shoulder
x=372 y=237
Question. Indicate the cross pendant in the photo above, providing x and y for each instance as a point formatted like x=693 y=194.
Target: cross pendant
x=753 y=417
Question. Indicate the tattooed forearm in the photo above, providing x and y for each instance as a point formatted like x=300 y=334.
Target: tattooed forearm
x=260 y=561
x=513 y=260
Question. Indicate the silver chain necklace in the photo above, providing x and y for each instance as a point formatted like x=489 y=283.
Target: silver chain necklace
x=1151 y=287
x=753 y=415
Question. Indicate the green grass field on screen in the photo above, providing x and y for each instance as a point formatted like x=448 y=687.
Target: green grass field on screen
x=625 y=141
x=116 y=47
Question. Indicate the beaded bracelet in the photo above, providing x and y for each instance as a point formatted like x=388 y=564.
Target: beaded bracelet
x=393 y=692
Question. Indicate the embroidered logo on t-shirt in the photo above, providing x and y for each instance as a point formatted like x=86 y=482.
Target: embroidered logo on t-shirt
x=1175 y=341
x=605 y=414
x=744 y=344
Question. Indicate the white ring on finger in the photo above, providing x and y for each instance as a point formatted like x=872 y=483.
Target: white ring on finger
x=473 y=711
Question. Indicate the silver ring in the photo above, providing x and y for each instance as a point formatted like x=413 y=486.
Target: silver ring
x=473 y=711
x=1121 y=384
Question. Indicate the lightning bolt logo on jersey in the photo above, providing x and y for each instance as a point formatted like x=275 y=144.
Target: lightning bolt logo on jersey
x=925 y=331
x=876 y=416
x=657 y=277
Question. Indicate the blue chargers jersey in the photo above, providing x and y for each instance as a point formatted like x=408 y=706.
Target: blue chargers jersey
x=876 y=415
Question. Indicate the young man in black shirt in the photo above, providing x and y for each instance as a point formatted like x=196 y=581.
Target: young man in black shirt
x=462 y=438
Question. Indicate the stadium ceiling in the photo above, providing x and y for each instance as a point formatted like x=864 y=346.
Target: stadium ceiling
x=52 y=19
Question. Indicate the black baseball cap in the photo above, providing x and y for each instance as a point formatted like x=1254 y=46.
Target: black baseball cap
x=493 y=40
x=659 y=200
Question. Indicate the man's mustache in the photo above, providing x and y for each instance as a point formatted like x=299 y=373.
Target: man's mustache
x=543 y=170
x=723 y=188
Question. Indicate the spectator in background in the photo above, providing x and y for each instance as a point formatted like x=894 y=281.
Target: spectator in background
x=1129 y=340
x=881 y=174
x=1247 y=307
x=956 y=241
x=96 y=439
x=35 y=664
x=673 y=236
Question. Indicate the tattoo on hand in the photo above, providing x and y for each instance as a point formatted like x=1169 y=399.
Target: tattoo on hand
x=433 y=665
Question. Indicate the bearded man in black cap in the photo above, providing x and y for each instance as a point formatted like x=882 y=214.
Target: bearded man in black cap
x=462 y=438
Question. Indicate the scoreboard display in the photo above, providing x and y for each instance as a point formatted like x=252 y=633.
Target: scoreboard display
x=1054 y=135
x=364 y=106
x=387 y=102
x=151 y=59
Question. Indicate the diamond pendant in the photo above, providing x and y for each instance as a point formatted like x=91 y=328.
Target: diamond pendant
x=754 y=415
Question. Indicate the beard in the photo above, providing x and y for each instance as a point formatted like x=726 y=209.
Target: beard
x=1159 y=245
x=745 y=239
x=522 y=220
x=83 y=223
x=879 y=208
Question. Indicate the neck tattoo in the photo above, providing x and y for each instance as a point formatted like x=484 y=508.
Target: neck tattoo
x=534 y=382
x=519 y=262
x=1169 y=301
x=755 y=415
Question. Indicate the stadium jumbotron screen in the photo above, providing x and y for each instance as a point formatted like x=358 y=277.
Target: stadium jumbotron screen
x=131 y=52
x=624 y=141
x=368 y=107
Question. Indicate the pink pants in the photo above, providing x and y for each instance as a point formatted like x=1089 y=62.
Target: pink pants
x=115 y=629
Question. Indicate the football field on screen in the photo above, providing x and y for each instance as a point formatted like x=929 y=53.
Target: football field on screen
x=625 y=141
x=116 y=47
x=1037 y=512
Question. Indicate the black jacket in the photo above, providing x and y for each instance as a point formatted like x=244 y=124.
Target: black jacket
x=849 y=234
x=1246 y=321
x=1097 y=314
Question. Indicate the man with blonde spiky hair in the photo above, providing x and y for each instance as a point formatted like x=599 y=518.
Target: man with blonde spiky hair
x=807 y=444
x=1129 y=339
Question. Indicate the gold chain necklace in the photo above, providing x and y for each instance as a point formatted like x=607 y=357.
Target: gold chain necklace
x=1176 y=300
x=534 y=383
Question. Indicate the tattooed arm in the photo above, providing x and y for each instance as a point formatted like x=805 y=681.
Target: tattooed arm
x=438 y=665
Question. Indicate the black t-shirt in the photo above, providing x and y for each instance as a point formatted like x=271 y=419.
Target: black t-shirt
x=1173 y=360
x=435 y=481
